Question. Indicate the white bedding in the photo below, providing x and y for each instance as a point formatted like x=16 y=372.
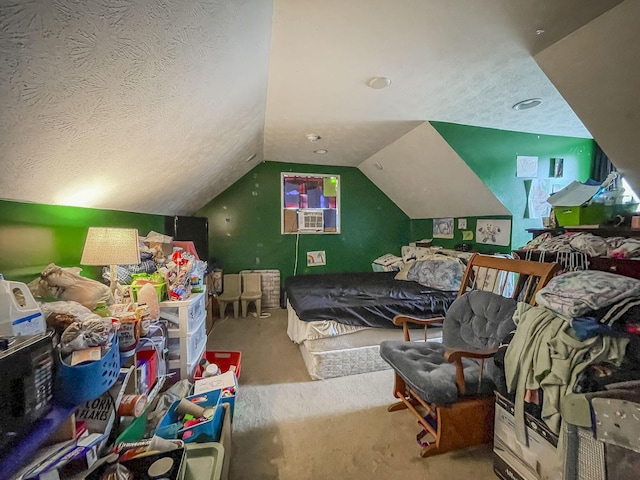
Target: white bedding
x=330 y=349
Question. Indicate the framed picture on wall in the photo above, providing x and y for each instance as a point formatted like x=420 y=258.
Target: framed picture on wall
x=443 y=228
x=493 y=232
x=556 y=166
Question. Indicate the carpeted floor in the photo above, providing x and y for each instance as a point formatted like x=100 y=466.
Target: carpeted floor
x=290 y=427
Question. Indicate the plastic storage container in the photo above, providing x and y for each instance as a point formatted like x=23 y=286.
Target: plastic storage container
x=224 y=360
x=204 y=461
x=187 y=334
x=184 y=315
x=593 y=214
x=208 y=431
x=19 y=312
x=188 y=346
x=81 y=383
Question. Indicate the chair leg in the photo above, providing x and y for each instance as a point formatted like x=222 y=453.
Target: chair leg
x=399 y=391
x=244 y=308
x=235 y=308
x=258 y=307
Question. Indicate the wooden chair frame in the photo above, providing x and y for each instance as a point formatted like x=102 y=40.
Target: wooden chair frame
x=468 y=421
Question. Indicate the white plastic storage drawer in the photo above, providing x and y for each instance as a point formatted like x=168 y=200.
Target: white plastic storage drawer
x=185 y=315
x=186 y=369
x=186 y=348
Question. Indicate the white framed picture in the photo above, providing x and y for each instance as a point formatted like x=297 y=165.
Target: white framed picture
x=443 y=227
x=493 y=232
x=526 y=166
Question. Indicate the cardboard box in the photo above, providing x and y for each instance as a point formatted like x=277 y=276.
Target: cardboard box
x=290 y=221
x=541 y=459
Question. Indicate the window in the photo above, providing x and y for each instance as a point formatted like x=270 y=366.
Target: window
x=310 y=203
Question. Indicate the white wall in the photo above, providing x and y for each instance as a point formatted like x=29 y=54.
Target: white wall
x=426 y=178
x=597 y=71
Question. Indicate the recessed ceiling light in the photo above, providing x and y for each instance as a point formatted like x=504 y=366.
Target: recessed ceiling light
x=378 y=165
x=320 y=151
x=379 y=82
x=312 y=137
x=527 y=104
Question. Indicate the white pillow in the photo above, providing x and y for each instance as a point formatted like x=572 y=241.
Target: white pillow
x=402 y=274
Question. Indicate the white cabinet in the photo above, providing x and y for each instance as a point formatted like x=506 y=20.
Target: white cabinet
x=186 y=320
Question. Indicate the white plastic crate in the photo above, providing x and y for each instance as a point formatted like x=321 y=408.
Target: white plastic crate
x=184 y=315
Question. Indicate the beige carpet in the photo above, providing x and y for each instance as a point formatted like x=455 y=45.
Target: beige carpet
x=290 y=427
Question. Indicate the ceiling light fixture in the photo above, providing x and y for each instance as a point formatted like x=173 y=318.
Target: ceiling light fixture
x=320 y=151
x=527 y=104
x=378 y=165
x=379 y=82
x=312 y=137
x=252 y=157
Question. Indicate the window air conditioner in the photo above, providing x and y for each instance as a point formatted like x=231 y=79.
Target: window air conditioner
x=310 y=220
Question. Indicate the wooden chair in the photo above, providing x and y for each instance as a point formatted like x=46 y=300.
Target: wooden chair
x=251 y=292
x=446 y=385
x=230 y=293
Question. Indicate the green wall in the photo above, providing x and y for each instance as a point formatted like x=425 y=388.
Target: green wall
x=491 y=154
x=423 y=228
x=34 y=235
x=244 y=224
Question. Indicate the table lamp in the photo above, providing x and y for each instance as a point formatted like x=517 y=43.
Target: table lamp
x=111 y=246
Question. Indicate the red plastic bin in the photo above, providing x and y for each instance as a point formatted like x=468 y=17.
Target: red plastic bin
x=224 y=360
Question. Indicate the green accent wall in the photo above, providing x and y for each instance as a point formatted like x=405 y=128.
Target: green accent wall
x=423 y=228
x=244 y=224
x=35 y=235
x=491 y=154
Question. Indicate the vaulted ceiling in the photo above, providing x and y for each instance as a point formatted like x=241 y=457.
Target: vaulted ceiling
x=157 y=106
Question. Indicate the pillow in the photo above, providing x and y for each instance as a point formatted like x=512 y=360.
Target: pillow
x=412 y=253
x=437 y=271
x=575 y=294
x=402 y=274
x=387 y=260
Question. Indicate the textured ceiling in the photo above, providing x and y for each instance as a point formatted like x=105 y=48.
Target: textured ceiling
x=458 y=61
x=156 y=105
x=142 y=105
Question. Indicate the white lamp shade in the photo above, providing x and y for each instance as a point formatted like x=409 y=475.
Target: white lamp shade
x=111 y=246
